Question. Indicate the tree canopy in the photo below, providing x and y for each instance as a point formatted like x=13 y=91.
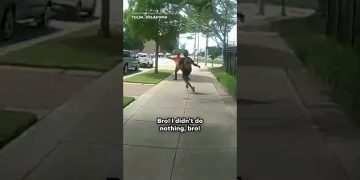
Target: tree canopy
x=163 y=31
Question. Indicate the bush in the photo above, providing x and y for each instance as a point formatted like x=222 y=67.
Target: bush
x=336 y=64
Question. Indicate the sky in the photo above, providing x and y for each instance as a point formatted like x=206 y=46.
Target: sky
x=202 y=40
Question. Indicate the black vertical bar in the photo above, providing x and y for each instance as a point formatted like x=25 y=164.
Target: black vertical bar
x=353 y=23
x=338 y=19
x=329 y=17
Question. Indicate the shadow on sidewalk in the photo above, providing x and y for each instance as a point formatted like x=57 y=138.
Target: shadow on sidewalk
x=194 y=78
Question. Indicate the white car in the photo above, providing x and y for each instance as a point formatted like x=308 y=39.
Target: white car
x=145 y=60
x=130 y=61
x=76 y=7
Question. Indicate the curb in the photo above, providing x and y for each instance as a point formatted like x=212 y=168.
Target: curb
x=139 y=103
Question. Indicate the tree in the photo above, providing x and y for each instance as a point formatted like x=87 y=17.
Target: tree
x=129 y=41
x=163 y=31
x=214 y=52
x=177 y=51
x=105 y=20
x=223 y=19
x=198 y=19
x=132 y=43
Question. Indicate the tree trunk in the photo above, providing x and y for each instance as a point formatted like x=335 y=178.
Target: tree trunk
x=105 y=20
x=283 y=7
x=206 y=49
x=157 y=54
x=261 y=4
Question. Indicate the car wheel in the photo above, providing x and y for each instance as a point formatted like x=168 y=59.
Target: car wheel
x=137 y=67
x=126 y=68
x=7 y=25
x=45 y=18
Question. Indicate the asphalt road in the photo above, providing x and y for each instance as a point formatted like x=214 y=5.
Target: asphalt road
x=27 y=33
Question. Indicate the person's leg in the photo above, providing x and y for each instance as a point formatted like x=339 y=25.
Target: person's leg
x=176 y=71
x=186 y=78
x=192 y=87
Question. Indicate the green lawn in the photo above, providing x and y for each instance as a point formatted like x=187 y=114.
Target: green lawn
x=149 y=77
x=227 y=80
x=337 y=65
x=293 y=3
x=13 y=124
x=127 y=101
x=79 y=50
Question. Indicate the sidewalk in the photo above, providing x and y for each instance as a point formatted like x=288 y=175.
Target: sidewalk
x=280 y=124
x=206 y=155
x=81 y=139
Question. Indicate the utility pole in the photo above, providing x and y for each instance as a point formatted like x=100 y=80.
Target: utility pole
x=206 y=49
x=194 y=45
x=198 y=42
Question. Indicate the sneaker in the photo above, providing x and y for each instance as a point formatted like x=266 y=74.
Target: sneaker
x=193 y=88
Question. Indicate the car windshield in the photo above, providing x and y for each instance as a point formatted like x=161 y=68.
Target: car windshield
x=126 y=54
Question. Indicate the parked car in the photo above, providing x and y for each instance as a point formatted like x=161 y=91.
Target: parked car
x=23 y=11
x=130 y=61
x=75 y=7
x=145 y=60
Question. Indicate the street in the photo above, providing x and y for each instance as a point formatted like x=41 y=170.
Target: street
x=26 y=36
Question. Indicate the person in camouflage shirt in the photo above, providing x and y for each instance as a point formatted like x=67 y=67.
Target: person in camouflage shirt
x=186 y=67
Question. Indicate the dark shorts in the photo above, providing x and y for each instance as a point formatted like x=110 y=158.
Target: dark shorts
x=186 y=74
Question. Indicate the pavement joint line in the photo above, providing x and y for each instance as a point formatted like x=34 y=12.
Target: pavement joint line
x=337 y=159
x=92 y=143
x=175 y=148
x=28 y=173
x=154 y=147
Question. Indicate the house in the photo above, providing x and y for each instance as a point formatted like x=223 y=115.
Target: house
x=150 y=47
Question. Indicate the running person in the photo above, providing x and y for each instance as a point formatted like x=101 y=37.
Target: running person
x=186 y=68
x=177 y=59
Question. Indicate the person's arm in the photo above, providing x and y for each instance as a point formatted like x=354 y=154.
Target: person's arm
x=168 y=56
x=193 y=63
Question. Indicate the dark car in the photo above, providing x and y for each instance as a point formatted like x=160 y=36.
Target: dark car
x=75 y=7
x=23 y=11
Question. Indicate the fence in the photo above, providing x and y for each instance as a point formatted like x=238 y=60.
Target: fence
x=343 y=20
x=231 y=60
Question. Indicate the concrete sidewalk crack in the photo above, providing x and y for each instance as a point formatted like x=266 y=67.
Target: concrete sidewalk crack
x=177 y=145
x=27 y=174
